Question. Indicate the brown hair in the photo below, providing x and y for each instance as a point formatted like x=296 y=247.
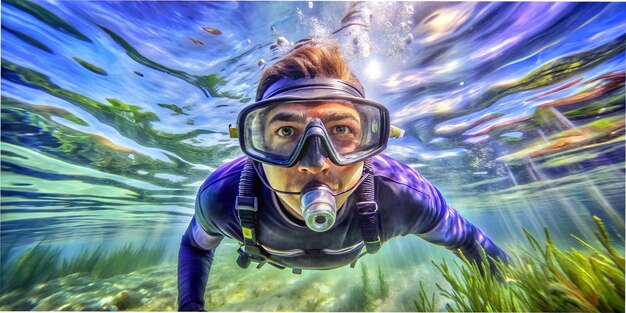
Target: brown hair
x=312 y=58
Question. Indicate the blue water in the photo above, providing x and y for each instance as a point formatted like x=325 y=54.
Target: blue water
x=487 y=92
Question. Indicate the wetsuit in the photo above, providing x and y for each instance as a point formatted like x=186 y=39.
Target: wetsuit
x=407 y=204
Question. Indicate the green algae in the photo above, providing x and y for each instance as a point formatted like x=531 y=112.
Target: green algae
x=553 y=72
x=90 y=67
x=602 y=130
x=364 y=297
x=42 y=263
x=542 y=278
x=22 y=121
x=600 y=107
x=47 y=17
x=425 y=303
x=208 y=84
x=129 y=120
x=383 y=286
x=549 y=73
x=569 y=159
x=174 y=108
x=28 y=39
x=45 y=111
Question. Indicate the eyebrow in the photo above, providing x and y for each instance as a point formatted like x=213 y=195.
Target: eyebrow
x=335 y=116
x=287 y=117
x=299 y=118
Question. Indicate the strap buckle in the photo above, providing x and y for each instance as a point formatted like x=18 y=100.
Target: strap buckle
x=247 y=203
x=367 y=208
x=368 y=221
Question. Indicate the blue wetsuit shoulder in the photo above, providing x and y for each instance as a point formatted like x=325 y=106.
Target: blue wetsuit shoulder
x=215 y=202
x=407 y=202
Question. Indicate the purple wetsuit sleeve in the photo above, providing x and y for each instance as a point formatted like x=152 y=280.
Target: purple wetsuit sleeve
x=194 y=265
x=448 y=228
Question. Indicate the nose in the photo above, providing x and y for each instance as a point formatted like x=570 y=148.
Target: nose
x=314 y=158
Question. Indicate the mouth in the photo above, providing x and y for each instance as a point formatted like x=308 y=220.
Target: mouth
x=298 y=184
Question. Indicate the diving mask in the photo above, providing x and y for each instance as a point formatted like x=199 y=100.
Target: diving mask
x=308 y=120
x=276 y=129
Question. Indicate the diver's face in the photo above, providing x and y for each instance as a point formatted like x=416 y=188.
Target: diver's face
x=287 y=122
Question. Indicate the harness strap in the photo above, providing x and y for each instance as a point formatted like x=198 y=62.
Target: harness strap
x=247 y=207
x=367 y=211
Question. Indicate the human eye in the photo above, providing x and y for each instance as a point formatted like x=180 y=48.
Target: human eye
x=285 y=131
x=341 y=130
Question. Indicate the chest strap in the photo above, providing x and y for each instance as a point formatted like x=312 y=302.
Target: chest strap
x=367 y=210
x=247 y=207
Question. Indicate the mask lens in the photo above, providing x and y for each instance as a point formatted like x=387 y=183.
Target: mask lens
x=274 y=133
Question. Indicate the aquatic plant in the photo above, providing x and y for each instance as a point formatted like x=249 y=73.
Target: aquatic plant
x=120 y=261
x=364 y=297
x=42 y=263
x=542 y=278
x=366 y=290
x=37 y=264
x=425 y=304
x=383 y=286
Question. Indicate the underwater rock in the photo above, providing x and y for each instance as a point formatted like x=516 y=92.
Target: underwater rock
x=16 y=301
x=126 y=299
x=50 y=303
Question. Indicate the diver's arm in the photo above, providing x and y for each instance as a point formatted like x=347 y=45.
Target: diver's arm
x=448 y=228
x=194 y=264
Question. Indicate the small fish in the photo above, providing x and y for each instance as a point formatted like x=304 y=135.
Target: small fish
x=213 y=31
x=356 y=14
x=196 y=41
x=138 y=73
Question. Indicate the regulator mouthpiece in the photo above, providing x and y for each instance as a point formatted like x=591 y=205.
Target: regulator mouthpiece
x=318 y=207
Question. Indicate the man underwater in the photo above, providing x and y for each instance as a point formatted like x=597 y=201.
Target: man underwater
x=314 y=190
